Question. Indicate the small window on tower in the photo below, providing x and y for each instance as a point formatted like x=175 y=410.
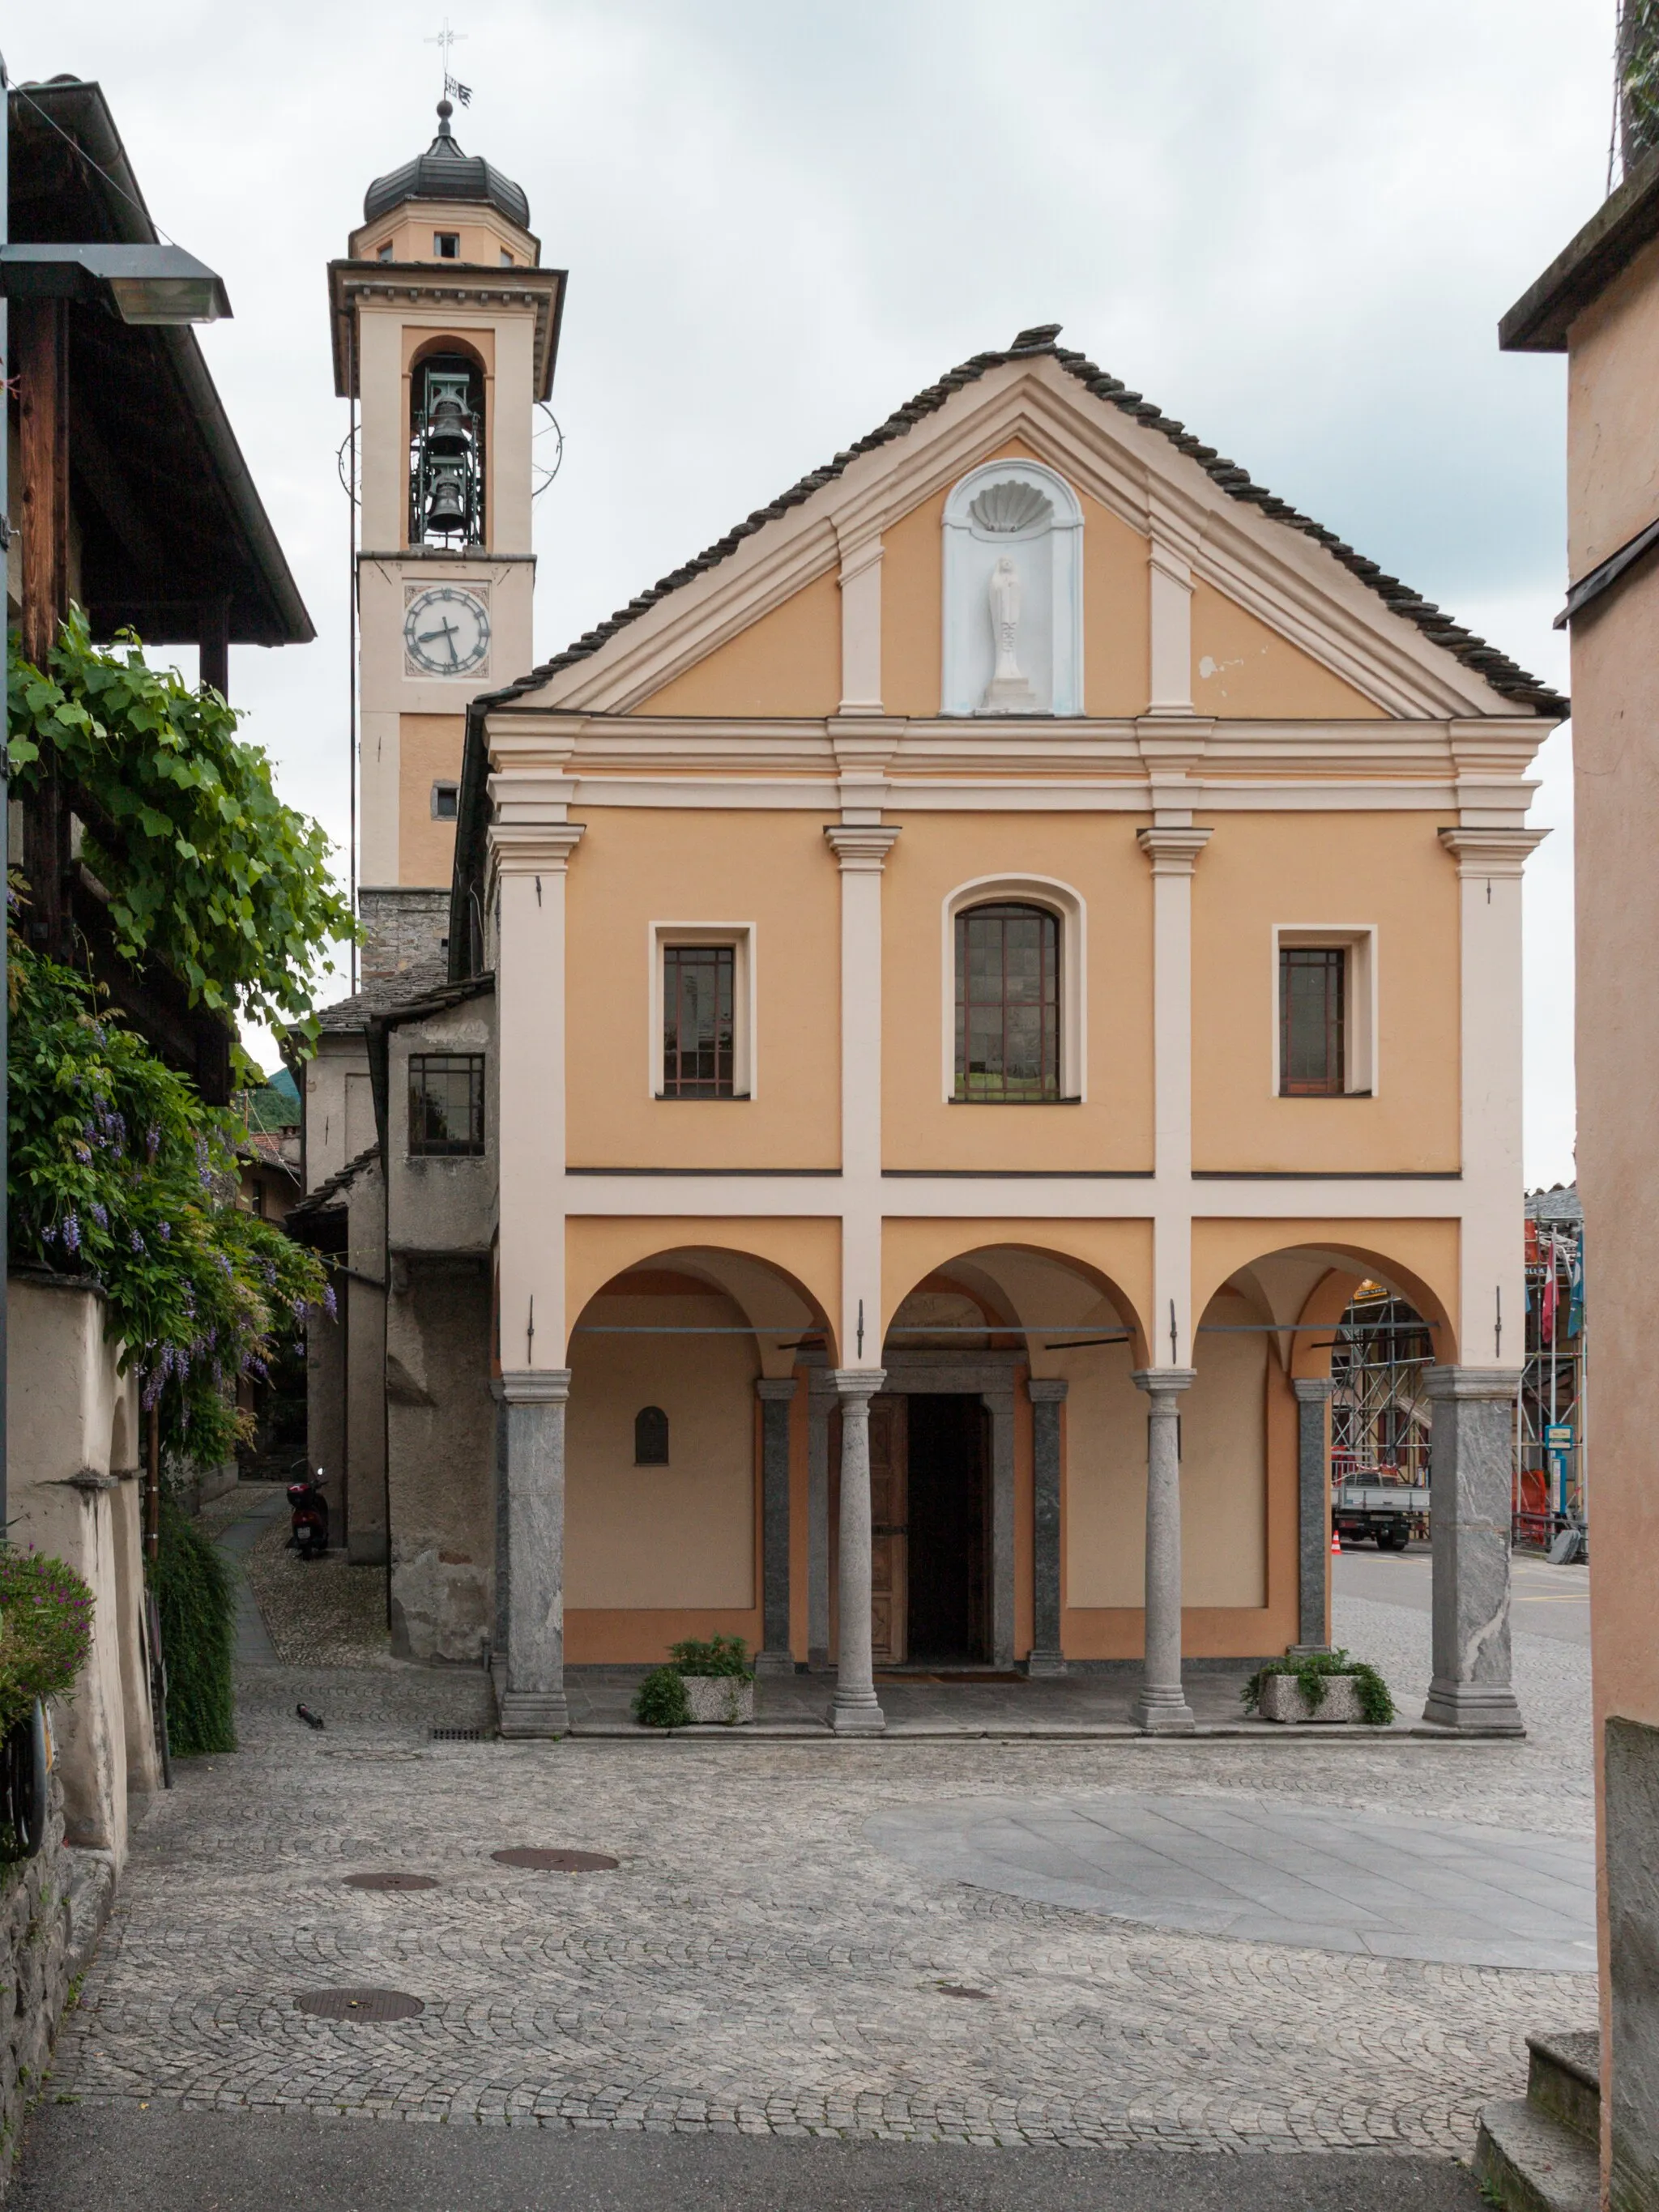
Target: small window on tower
x=446 y=245
x=446 y=801
x=507 y=258
x=385 y=250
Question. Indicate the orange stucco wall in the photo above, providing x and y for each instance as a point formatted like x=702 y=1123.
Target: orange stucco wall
x=1100 y=861
x=1262 y=871
x=1115 y=1254
x=1417 y=1257
x=805 y=1253
x=787 y=663
x=771 y=870
x=1242 y=667
x=430 y=750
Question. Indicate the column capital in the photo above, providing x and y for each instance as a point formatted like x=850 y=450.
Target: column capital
x=1173 y=852
x=1164 y=1381
x=858 y=1382
x=528 y=848
x=862 y=847
x=1494 y=1382
x=1491 y=852
x=532 y=1386
x=774 y=1389
x=1046 y=1390
x=1312 y=1389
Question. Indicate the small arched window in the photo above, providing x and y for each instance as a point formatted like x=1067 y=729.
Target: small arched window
x=651 y=1436
x=1007 y=1004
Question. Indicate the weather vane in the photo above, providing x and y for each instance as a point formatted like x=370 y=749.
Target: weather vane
x=453 y=89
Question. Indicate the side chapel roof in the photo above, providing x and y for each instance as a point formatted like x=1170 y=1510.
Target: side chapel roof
x=1504 y=676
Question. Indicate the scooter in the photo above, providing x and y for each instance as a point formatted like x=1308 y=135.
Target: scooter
x=310 y=1537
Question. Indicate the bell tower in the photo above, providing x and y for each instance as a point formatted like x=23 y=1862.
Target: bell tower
x=445 y=330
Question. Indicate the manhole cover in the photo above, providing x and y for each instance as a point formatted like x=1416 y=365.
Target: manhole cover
x=390 y=1882
x=960 y=1989
x=556 y=1862
x=359 y=2004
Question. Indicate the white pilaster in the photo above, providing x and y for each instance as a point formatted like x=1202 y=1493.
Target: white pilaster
x=530 y=860
x=1492 y=1292
x=1171 y=621
x=862 y=848
x=861 y=627
x=1173 y=852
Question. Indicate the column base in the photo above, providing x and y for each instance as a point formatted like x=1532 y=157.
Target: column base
x=1309 y=1651
x=1488 y=1708
x=858 y=1720
x=1162 y=1712
x=1046 y=1663
x=535 y=1713
x=775 y=1662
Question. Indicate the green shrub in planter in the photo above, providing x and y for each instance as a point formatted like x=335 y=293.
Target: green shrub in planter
x=1313 y=1670
x=660 y=1701
x=46 y=1631
x=199 y=1636
x=722 y=1655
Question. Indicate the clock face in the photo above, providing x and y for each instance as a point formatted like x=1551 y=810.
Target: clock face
x=446 y=631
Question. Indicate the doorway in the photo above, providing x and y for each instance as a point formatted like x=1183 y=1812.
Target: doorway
x=949 y=1529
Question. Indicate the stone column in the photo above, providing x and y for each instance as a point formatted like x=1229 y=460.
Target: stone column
x=529 y=1577
x=855 y=1710
x=1162 y=1708
x=1313 y=1513
x=1047 y=1397
x=775 y=1655
x=1000 y=1404
x=1471 y=1461
x=820 y=1396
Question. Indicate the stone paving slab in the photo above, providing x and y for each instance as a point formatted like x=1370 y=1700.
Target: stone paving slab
x=756 y=1967
x=1273 y=1873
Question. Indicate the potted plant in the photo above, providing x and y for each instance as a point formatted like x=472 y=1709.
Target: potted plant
x=1319 y=1686
x=704 y=1684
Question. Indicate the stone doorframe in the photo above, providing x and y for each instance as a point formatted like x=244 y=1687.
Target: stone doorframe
x=986 y=1376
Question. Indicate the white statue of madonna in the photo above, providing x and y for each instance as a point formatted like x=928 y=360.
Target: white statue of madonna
x=1007 y=692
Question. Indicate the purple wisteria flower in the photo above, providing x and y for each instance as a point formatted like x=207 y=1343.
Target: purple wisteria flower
x=330 y=1304
x=137 y=1242
x=71 y=1233
x=98 y=1214
x=152 y=1140
x=164 y=1231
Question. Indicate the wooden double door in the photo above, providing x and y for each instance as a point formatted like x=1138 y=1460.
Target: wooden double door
x=930 y=1529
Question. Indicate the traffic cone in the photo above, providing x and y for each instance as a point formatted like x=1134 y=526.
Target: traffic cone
x=1336 y=1544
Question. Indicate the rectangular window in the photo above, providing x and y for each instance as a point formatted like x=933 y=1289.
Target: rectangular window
x=446 y=245
x=699 y=990
x=1007 y=1004
x=445 y=1104
x=385 y=252
x=1312 y=1020
x=446 y=801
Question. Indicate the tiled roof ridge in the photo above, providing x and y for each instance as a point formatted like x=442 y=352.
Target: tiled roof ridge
x=1505 y=675
x=314 y=1201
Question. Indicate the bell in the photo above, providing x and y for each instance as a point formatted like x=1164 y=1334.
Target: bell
x=446 y=509
x=446 y=428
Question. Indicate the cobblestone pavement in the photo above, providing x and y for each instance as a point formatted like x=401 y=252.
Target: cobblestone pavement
x=755 y=1965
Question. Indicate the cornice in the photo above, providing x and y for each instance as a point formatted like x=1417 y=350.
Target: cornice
x=523 y=849
x=353 y=285
x=862 y=847
x=1173 y=852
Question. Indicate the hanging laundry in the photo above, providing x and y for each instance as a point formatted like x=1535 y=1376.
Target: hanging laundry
x=1576 y=1286
x=1550 y=1294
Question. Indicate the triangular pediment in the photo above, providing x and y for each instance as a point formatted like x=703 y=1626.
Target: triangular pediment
x=1288 y=623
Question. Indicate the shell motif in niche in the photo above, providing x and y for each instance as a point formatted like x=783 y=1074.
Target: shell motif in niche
x=1004 y=508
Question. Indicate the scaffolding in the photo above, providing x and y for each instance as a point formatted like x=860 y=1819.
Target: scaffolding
x=1380 y=1415
x=1551 y=1484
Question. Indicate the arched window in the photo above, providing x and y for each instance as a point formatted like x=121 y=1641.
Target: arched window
x=1007 y=1003
x=651 y=1436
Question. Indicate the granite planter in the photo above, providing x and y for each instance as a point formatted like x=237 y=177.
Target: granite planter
x=1284 y=1698
x=720 y=1700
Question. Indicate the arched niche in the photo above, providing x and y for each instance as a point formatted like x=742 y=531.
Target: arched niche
x=1013 y=594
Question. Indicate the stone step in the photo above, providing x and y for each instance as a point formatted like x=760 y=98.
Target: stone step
x=1528 y=2162
x=1564 y=2081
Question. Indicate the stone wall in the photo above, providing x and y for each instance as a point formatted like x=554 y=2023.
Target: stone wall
x=403 y=928
x=51 y=1910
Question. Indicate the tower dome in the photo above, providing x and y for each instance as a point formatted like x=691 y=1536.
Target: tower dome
x=444 y=173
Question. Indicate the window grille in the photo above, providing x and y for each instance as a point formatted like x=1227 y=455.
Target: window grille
x=1312 y=1017
x=699 y=1034
x=1007 y=1004
x=651 y=1436
x=445 y=1104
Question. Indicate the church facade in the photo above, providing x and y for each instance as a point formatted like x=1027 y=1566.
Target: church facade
x=881 y=1066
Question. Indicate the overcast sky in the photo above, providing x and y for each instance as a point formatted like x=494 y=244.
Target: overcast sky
x=1294 y=223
